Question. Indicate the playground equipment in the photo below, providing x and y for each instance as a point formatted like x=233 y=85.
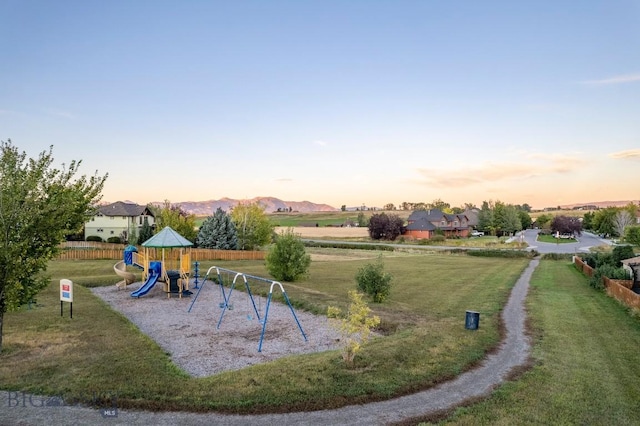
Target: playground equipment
x=226 y=297
x=176 y=281
x=127 y=277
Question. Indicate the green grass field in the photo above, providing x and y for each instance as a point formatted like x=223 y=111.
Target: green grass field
x=586 y=363
x=46 y=354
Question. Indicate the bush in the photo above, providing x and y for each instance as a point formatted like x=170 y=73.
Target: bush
x=372 y=280
x=557 y=256
x=596 y=260
x=114 y=240
x=323 y=244
x=609 y=271
x=621 y=253
x=287 y=259
x=509 y=254
x=94 y=238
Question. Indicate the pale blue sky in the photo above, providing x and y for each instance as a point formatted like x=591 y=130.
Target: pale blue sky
x=337 y=102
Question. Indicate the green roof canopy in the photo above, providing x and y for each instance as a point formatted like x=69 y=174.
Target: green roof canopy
x=167 y=238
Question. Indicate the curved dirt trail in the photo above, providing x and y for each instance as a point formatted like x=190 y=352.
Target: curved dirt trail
x=514 y=352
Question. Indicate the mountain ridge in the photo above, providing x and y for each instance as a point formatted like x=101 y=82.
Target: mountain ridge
x=270 y=204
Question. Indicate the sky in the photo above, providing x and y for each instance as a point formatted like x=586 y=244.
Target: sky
x=358 y=102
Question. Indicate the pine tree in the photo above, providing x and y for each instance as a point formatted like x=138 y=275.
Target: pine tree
x=218 y=232
x=145 y=232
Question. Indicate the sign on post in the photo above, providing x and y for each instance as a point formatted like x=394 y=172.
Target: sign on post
x=66 y=294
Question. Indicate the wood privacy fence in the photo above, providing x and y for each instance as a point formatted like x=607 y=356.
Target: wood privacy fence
x=618 y=289
x=91 y=245
x=196 y=254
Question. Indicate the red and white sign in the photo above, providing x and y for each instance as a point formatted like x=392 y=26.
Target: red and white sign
x=66 y=290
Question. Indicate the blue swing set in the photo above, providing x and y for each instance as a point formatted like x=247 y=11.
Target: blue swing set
x=226 y=297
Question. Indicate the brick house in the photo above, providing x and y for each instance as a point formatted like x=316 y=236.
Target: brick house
x=424 y=224
x=118 y=220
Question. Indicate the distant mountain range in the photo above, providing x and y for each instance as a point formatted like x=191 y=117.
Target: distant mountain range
x=601 y=204
x=271 y=204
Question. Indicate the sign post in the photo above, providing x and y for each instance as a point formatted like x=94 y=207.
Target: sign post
x=66 y=295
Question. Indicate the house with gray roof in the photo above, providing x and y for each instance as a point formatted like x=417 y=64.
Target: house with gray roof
x=118 y=219
x=424 y=224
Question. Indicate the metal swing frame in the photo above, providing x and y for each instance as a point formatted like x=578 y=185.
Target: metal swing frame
x=226 y=296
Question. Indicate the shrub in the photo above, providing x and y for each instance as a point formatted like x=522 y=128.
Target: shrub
x=609 y=271
x=509 y=254
x=372 y=280
x=621 y=253
x=595 y=260
x=287 y=259
x=114 y=240
x=355 y=327
x=94 y=238
x=346 y=245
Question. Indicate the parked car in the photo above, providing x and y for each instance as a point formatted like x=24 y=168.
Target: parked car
x=477 y=234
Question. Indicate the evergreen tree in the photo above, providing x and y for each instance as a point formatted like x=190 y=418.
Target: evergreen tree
x=218 y=232
x=287 y=259
x=145 y=232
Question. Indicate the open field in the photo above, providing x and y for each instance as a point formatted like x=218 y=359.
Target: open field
x=328 y=232
x=585 y=365
x=586 y=362
x=45 y=353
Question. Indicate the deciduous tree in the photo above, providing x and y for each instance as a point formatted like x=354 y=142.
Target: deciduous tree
x=621 y=220
x=355 y=327
x=176 y=218
x=384 y=226
x=39 y=204
x=632 y=235
x=566 y=225
x=253 y=226
x=603 y=221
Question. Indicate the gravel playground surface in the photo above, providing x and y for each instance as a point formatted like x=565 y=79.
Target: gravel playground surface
x=19 y=409
x=199 y=348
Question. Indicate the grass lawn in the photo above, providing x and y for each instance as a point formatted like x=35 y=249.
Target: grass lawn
x=554 y=240
x=586 y=359
x=425 y=339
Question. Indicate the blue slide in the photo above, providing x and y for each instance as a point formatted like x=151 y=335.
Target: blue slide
x=148 y=285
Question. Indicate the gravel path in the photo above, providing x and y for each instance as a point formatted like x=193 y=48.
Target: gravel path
x=17 y=409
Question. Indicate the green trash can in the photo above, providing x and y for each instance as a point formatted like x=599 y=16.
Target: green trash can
x=472 y=320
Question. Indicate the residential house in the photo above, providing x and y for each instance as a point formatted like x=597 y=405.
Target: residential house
x=118 y=220
x=424 y=224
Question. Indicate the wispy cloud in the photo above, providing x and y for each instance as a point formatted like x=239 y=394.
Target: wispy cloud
x=60 y=113
x=629 y=154
x=284 y=180
x=619 y=79
x=538 y=165
x=320 y=143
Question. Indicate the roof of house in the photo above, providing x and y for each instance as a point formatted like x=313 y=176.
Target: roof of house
x=120 y=208
x=434 y=215
x=421 y=224
x=472 y=216
x=632 y=261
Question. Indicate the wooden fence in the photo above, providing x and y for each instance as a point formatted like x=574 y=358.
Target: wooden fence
x=196 y=254
x=618 y=289
x=90 y=245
